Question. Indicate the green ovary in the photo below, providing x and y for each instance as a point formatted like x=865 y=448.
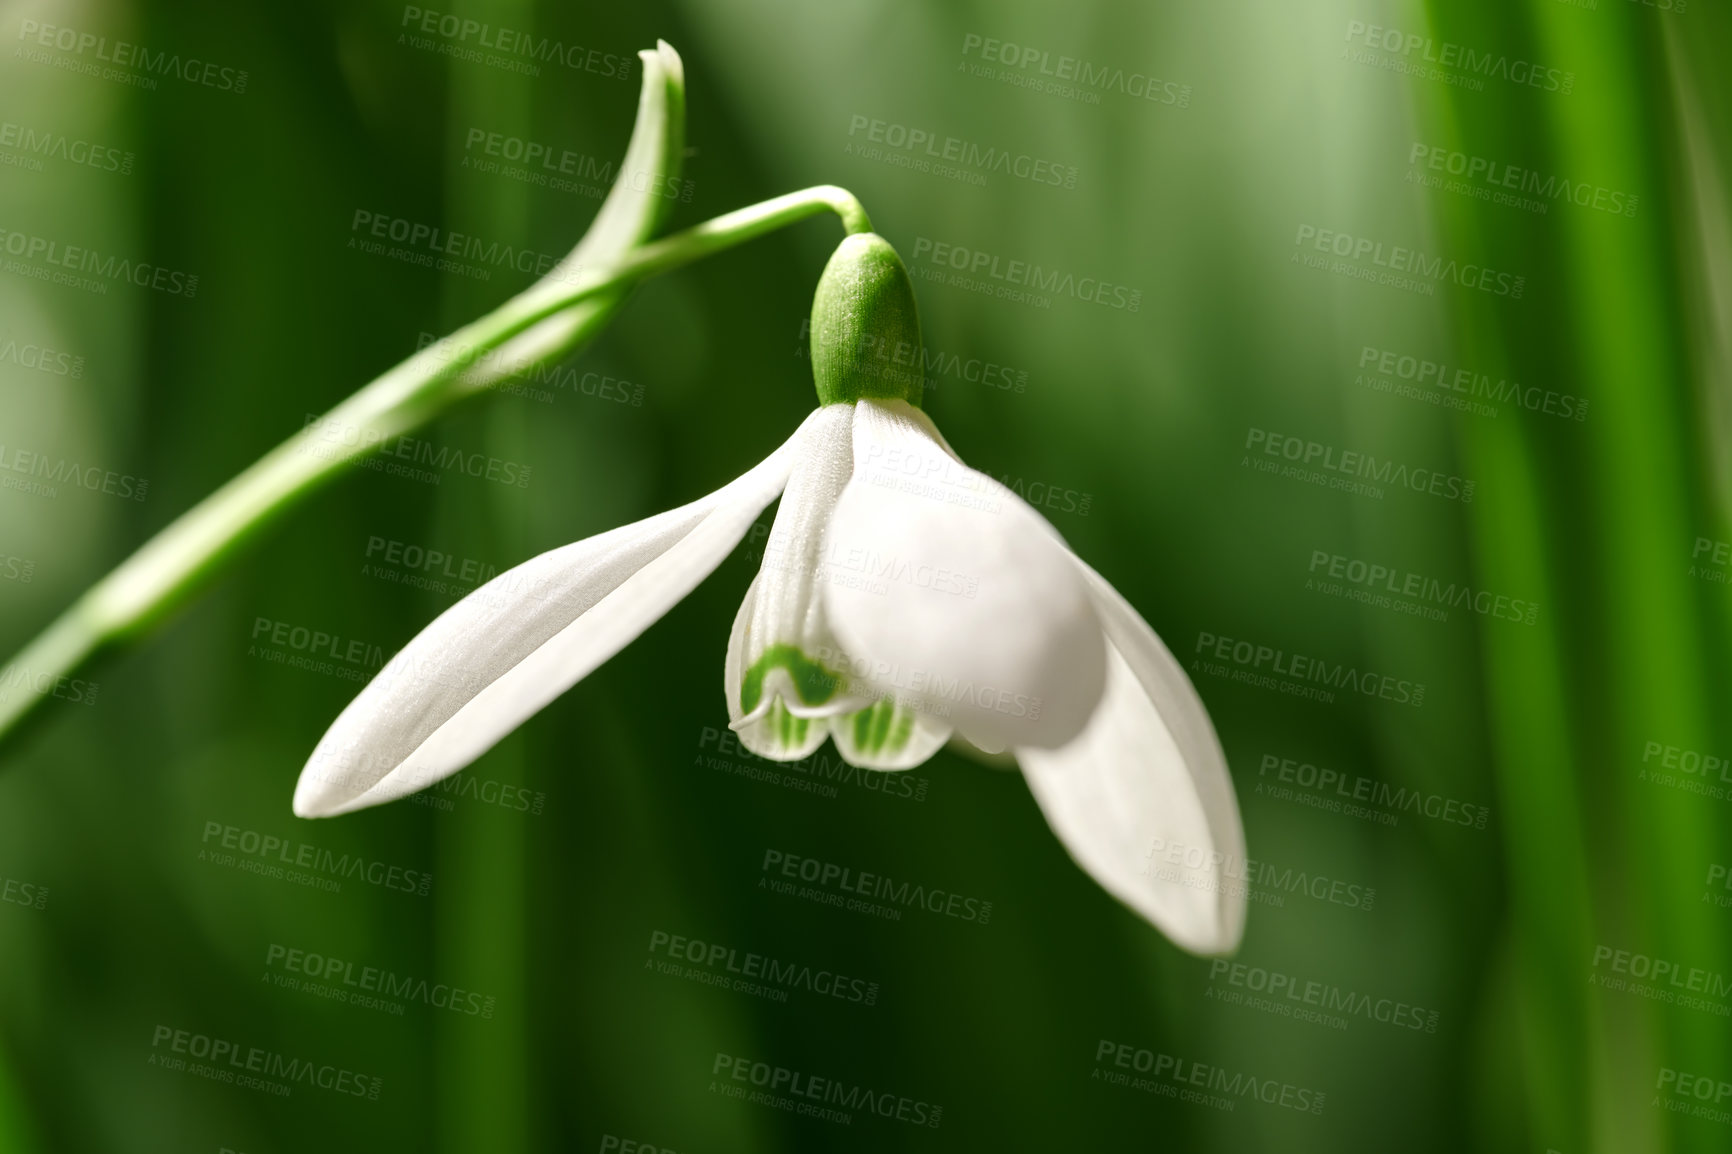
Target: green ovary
x=813 y=682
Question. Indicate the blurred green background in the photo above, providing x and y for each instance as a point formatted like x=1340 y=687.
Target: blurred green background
x=1567 y=961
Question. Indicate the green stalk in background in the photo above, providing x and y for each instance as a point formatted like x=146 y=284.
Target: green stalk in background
x=483 y=1073
x=15 y=1129
x=1600 y=517
x=550 y=320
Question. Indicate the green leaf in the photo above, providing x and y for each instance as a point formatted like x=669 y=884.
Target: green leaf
x=637 y=207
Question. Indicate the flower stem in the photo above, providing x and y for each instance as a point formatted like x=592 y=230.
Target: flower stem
x=144 y=588
x=682 y=248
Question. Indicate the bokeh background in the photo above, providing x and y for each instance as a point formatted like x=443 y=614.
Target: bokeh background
x=1566 y=962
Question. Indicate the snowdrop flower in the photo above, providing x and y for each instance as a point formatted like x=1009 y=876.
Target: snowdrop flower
x=904 y=601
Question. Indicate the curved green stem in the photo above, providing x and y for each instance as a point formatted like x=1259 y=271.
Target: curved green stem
x=682 y=248
x=146 y=586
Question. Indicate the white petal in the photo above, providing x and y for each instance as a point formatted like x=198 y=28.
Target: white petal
x=1142 y=798
x=495 y=658
x=887 y=735
x=970 y=607
x=782 y=669
x=778 y=734
x=770 y=729
x=785 y=606
x=990 y=758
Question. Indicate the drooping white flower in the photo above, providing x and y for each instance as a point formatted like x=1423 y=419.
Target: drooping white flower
x=904 y=601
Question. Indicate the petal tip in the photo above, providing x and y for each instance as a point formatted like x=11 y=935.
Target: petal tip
x=1223 y=942
x=309 y=804
x=330 y=784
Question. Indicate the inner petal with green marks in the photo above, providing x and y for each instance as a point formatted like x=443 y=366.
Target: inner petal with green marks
x=888 y=735
x=789 y=683
x=782 y=657
x=810 y=681
x=786 y=733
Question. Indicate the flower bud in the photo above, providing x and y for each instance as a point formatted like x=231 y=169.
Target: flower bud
x=865 y=328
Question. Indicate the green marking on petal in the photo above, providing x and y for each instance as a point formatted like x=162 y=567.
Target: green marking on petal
x=814 y=683
x=783 y=736
x=790 y=731
x=862 y=723
x=903 y=730
x=881 y=728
